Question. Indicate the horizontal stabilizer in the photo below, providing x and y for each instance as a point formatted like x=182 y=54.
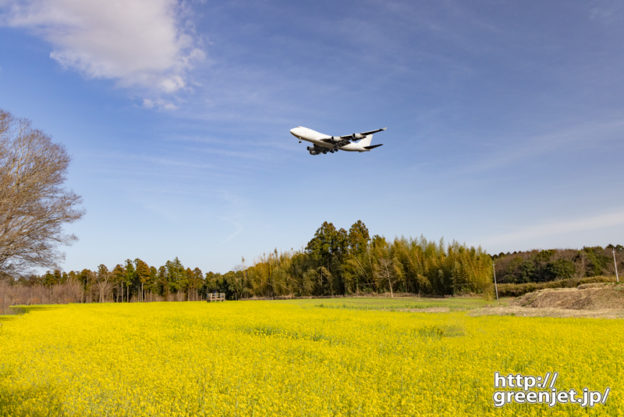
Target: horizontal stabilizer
x=373 y=146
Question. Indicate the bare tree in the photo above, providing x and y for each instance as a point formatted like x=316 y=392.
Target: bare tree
x=103 y=283
x=33 y=204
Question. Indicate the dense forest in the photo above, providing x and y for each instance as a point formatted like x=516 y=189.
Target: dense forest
x=334 y=262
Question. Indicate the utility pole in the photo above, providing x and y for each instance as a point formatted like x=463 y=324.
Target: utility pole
x=617 y=278
x=495 y=285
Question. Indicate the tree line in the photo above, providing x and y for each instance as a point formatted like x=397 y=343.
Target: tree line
x=334 y=262
x=554 y=264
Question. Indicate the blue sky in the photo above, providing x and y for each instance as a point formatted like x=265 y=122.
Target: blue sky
x=505 y=121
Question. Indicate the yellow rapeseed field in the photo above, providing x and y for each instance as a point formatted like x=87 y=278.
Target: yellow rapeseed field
x=290 y=358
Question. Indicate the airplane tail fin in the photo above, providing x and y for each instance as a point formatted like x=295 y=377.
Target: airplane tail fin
x=366 y=141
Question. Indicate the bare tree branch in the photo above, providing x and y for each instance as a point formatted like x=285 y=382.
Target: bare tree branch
x=34 y=206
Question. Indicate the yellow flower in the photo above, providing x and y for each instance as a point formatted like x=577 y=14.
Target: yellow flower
x=292 y=359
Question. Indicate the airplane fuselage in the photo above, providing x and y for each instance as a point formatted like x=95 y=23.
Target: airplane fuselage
x=326 y=143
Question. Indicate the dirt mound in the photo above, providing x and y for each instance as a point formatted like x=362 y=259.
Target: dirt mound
x=586 y=297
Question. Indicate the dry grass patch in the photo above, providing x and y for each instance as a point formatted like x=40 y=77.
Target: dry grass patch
x=588 y=300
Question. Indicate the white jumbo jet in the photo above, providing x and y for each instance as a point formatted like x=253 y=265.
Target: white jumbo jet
x=323 y=143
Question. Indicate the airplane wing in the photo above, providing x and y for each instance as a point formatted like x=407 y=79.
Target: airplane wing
x=338 y=140
x=355 y=136
x=343 y=140
x=373 y=131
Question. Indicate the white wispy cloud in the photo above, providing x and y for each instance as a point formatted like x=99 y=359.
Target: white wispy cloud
x=145 y=44
x=581 y=136
x=540 y=231
x=606 y=11
x=234 y=215
x=158 y=103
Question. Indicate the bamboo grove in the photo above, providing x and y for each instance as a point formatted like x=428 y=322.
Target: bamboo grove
x=334 y=262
